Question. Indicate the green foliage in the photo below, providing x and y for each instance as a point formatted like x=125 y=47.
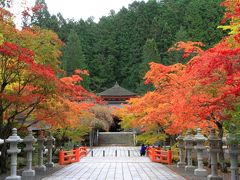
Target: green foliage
x=42 y=17
x=73 y=57
x=150 y=54
x=75 y=134
x=114 y=46
x=233 y=125
x=151 y=137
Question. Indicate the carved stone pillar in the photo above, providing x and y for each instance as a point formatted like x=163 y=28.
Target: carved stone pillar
x=213 y=150
x=29 y=140
x=13 y=151
x=189 y=147
x=200 y=139
x=181 y=163
x=50 y=146
x=41 y=148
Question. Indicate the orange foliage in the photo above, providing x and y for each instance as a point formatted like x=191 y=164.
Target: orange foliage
x=191 y=95
x=28 y=81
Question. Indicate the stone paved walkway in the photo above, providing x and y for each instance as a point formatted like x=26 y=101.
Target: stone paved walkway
x=111 y=167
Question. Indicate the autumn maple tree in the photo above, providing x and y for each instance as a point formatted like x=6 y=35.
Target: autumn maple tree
x=195 y=94
x=30 y=87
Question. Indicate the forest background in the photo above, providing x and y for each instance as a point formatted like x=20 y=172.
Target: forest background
x=120 y=46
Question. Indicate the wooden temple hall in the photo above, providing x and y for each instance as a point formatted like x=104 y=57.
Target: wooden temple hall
x=115 y=96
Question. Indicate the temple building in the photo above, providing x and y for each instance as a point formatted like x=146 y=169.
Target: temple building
x=117 y=95
x=114 y=97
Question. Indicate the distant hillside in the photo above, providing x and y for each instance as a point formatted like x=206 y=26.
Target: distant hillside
x=119 y=46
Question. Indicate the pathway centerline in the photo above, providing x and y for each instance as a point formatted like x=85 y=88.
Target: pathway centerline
x=110 y=167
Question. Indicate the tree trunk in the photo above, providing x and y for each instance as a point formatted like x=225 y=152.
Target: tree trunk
x=4 y=157
x=172 y=139
x=5 y=132
x=221 y=157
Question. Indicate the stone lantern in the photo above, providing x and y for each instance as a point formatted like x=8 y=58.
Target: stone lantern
x=29 y=140
x=50 y=146
x=232 y=141
x=189 y=147
x=181 y=162
x=1 y=142
x=41 y=148
x=214 y=150
x=200 y=139
x=13 y=151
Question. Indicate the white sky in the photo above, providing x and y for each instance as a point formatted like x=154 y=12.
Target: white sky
x=84 y=8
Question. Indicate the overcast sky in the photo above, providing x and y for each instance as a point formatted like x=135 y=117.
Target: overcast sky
x=85 y=8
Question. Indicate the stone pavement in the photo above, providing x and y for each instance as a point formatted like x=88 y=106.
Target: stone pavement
x=111 y=167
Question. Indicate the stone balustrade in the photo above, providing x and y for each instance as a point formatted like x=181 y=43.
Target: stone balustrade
x=187 y=143
x=29 y=140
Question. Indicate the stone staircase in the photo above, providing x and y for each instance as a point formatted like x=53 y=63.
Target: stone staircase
x=116 y=138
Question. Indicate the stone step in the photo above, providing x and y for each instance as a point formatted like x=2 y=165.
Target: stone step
x=116 y=138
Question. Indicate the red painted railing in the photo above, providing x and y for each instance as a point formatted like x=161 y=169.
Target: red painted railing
x=158 y=155
x=67 y=157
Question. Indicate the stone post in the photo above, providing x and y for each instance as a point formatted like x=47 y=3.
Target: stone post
x=41 y=148
x=232 y=141
x=189 y=147
x=200 y=139
x=214 y=150
x=181 y=162
x=50 y=146
x=1 y=142
x=13 y=151
x=97 y=137
x=134 y=137
x=29 y=140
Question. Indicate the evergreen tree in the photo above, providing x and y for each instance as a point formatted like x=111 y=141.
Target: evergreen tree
x=149 y=54
x=73 y=57
x=173 y=57
x=41 y=18
x=114 y=46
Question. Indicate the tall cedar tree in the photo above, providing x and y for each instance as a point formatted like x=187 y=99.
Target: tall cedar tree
x=72 y=55
x=149 y=54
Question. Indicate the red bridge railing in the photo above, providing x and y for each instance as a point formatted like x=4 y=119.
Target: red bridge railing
x=67 y=157
x=158 y=155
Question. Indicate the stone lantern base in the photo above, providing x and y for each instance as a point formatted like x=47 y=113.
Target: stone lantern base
x=200 y=172
x=211 y=177
x=181 y=164
x=50 y=165
x=28 y=173
x=190 y=168
x=13 y=178
x=40 y=169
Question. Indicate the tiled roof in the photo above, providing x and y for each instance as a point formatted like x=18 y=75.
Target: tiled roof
x=117 y=90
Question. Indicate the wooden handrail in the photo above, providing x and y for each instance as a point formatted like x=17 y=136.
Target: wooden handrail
x=67 y=157
x=158 y=155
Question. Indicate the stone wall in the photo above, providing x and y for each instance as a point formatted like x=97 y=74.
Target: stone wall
x=116 y=138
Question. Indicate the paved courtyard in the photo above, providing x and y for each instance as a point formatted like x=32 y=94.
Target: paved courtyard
x=115 y=165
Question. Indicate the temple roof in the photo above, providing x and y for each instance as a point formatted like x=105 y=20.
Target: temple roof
x=117 y=90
